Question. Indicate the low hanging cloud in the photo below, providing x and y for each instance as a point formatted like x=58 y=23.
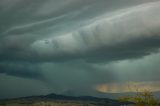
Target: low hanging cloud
x=74 y=47
x=24 y=70
x=113 y=37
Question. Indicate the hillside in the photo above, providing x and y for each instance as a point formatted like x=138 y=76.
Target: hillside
x=59 y=100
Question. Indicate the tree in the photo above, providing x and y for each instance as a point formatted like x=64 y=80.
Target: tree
x=145 y=98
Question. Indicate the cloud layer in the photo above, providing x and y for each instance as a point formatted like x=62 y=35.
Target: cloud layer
x=73 y=46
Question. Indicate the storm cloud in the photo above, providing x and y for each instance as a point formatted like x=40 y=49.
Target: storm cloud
x=74 y=45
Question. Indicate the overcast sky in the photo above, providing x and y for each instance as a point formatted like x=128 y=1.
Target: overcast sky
x=78 y=47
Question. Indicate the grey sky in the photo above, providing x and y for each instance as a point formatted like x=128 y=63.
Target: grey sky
x=71 y=46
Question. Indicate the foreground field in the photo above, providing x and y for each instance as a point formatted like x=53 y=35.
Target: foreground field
x=54 y=103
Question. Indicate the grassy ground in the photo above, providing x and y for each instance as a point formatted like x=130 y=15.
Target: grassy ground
x=51 y=103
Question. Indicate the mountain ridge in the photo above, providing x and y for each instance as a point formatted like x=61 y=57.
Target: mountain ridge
x=58 y=98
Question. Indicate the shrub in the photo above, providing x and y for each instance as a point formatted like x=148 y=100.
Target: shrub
x=145 y=98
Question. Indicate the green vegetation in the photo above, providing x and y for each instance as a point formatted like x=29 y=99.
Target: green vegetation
x=145 y=98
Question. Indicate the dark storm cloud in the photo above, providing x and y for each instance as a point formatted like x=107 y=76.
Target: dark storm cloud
x=107 y=38
x=146 y=69
x=70 y=77
x=74 y=45
x=24 y=70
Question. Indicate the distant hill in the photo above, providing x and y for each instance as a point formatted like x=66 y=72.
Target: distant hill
x=55 y=97
x=63 y=97
x=83 y=98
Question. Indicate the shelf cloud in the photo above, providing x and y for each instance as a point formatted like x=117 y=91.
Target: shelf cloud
x=73 y=46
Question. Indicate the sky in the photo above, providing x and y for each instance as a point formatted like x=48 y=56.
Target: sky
x=78 y=47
